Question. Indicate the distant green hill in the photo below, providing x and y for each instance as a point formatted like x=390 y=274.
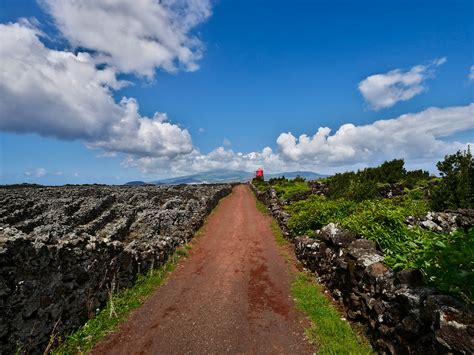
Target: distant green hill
x=225 y=175
x=213 y=176
x=135 y=183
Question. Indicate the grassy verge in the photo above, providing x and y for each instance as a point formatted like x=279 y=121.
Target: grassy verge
x=280 y=239
x=117 y=309
x=274 y=226
x=330 y=333
x=261 y=206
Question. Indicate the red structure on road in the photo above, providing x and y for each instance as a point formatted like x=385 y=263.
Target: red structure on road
x=259 y=173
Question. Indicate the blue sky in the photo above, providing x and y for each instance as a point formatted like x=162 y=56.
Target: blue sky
x=236 y=77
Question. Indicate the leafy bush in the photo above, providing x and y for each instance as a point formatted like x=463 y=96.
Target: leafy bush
x=360 y=190
x=390 y=171
x=448 y=264
x=284 y=188
x=415 y=178
x=456 y=188
x=362 y=185
x=315 y=212
x=287 y=189
x=260 y=184
x=383 y=221
x=276 y=180
x=299 y=179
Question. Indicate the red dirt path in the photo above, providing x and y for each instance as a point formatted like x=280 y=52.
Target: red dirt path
x=231 y=295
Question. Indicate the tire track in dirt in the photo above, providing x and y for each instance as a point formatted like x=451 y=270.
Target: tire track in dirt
x=231 y=295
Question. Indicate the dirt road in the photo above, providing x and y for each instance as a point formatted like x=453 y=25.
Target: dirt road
x=231 y=295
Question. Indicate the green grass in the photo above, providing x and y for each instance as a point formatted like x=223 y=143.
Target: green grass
x=117 y=309
x=182 y=251
x=261 y=207
x=280 y=239
x=330 y=333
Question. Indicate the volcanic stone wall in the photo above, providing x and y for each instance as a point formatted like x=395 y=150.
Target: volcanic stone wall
x=401 y=315
x=64 y=249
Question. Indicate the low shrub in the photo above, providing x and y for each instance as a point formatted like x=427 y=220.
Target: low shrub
x=287 y=189
x=448 y=264
x=260 y=184
x=315 y=212
x=445 y=259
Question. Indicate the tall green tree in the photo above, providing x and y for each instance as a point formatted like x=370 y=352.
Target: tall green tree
x=456 y=189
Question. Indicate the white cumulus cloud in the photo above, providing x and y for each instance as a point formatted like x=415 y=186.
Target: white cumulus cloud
x=416 y=137
x=411 y=136
x=471 y=73
x=219 y=158
x=385 y=90
x=62 y=94
x=134 y=36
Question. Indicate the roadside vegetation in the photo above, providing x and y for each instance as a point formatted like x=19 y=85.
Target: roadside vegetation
x=358 y=202
x=329 y=331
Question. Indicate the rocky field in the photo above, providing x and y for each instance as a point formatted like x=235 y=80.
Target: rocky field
x=64 y=249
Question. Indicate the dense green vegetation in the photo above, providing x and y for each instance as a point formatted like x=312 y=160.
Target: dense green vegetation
x=354 y=202
x=456 y=188
x=289 y=188
x=284 y=187
x=445 y=259
x=365 y=184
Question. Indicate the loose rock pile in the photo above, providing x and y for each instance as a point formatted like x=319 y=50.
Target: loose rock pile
x=64 y=249
x=445 y=221
x=318 y=188
x=401 y=314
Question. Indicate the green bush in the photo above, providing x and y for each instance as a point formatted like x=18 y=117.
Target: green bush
x=445 y=259
x=415 y=178
x=260 y=184
x=315 y=212
x=276 y=180
x=456 y=188
x=448 y=263
x=360 y=190
x=363 y=184
x=299 y=179
x=287 y=189
x=283 y=187
x=383 y=221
